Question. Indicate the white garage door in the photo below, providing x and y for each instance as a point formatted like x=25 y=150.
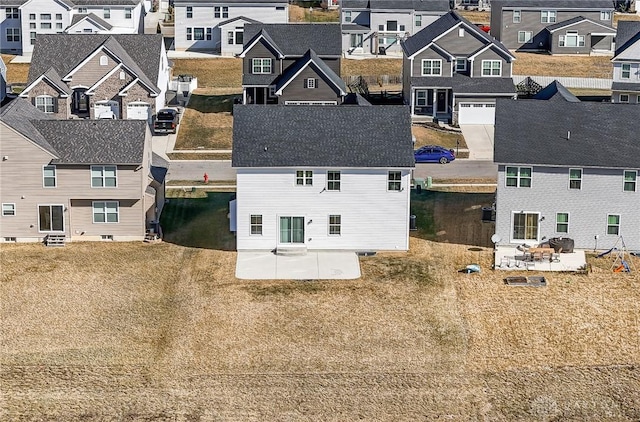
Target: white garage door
x=476 y=113
x=138 y=111
x=106 y=109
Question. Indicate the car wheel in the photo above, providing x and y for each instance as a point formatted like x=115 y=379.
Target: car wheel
x=443 y=160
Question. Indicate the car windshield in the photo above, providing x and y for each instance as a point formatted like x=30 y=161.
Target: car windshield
x=165 y=115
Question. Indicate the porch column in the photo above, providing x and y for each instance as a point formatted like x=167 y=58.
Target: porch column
x=435 y=103
x=266 y=92
x=244 y=96
x=413 y=105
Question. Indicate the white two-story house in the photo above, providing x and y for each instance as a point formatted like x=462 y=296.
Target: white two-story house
x=626 y=64
x=215 y=25
x=322 y=178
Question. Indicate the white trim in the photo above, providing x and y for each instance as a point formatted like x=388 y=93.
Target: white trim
x=570 y=179
x=619 y=225
x=104 y=212
x=279 y=92
x=635 y=181
x=25 y=91
x=431 y=67
x=51 y=205
x=613 y=31
x=123 y=92
x=250 y=46
x=491 y=75
x=514 y=240
x=568 y=223
x=102 y=49
x=103 y=167
x=15 y=211
x=310 y=103
x=90 y=20
x=55 y=176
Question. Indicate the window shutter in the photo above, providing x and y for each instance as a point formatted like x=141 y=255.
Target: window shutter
x=316 y=83
x=305 y=83
x=55 y=104
x=33 y=101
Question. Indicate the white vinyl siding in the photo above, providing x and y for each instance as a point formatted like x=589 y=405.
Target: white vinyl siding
x=562 y=222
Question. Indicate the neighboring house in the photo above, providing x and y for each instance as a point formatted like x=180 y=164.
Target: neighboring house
x=309 y=178
x=556 y=26
x=557 y=92
x=24 y=20
x=454 y=71
x=567 y=169
x=98 y=74
x=374 y=27
x=3 y=81
x=626 y=64
x=292 y=64
x=87 y=180
x=218 y=25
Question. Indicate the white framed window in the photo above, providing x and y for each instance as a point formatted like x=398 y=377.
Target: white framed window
x=461 y=64
x=310 y=83
x=432 y=67
x=59 y=25
x=82 y=10
x=127 y=12
x=394 y=181
x=45 y=103
x=624 y=98
x=198 y=34
x=49 y=176
x=347 y=16
x=421 y=98
x=418 y=20
x=105 y=212
x=335 y=225
x=571 y=39
x=189 y=12
x=575 y=178
x=491 y=68
x=230 y=37
x=58 y=16
x=45 y=25
x=12 y=13
x=605 y=15
x=8 y=210
x=625 y=71
x=525 y=37
x=333 y=180
x=13 y=34
x=209 y=34
x=32 y=38
x=104 y=177
x=256 y=225
x=304 y=178
x=548 y=16
x=104 y=61
x=613 y=224
x=51 y=218
x=525 y=226
x=45 y=16
x=461 y=32
x=630 y=180
x=517 y=16
x=106 y=13
x=32 y=16
x=189 y=34
x=518 y=177
x=221 y=12
x=356 y=40
x=562 y=222
x=261 y=66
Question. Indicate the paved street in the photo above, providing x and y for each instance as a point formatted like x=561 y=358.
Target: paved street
x=194 y=170
x=458 y=169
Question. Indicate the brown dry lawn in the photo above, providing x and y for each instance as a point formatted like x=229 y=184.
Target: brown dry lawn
x=476 y=16
x=212 y=73
x=16 y=72
x=426 y=135
x=371 y=67
x=131 y=331
x=534 y=64
x=625 y=17
x=302 y=14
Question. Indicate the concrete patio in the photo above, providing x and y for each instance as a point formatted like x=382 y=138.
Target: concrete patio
x=510 y=258
x=320 y=265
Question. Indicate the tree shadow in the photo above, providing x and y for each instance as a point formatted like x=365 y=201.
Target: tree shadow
x=212 y=103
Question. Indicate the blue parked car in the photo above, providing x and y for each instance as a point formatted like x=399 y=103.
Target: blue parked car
x=434 y=154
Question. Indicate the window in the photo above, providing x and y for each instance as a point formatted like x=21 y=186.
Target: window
x=291 y=229
x=431 y=67
x=347 y=16
x=49 y=176
x=630 y=178
x=103 y=177
x=58 y=16
x=394 y=181
x=525 y=37
x=525 y=226
x=32 y=25
x=127 y=13
x=198 y=34
x=613 y=224
x=8 y=210
x=59 y=25
x=51 y=218
x=461 y=65
x=334 y=225
x=45 y=103
x=32 y=38
x=45 y=25
x=217 y=12
x=605 y=15
x=82 y=10
x=575 y=178
x=562 y=222
x=189 y=12
x=12 y=13
x=272 y=91
x=261 y=66
x=208 y=34
x=519 y=177
x=624 y=98
x=45 y=16
x=304 y=178
x=225 y=12
x=105 y=212
x=356 y=40
x=571 y=39
x=392 y=25
x=104 y=61
x=333 y=180
x=461 y=32
x=13 y=34
x=402 y=28
x=421 y=98
x=230 y=37
x=279 y=7
x=106 y=13
x=256 y=224
x=548 y=16
x=626 y=71
x=32 y=16
x=418 y=20
x=189 y=34
x=491 y=68
x=239 y=37
x=517 y=15
x=310 y=83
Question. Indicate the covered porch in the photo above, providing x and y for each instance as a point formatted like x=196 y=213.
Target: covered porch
x=259 y=95
x=433 y=102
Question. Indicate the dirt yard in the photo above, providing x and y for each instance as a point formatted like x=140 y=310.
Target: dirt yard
x=534 y=64
x=16 y=72
x=212 y=73
x=302 y=14
x=426 y=135
x=113 y=331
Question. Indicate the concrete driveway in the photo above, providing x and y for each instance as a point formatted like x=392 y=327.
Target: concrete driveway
x=479 y=139
x=312 y=266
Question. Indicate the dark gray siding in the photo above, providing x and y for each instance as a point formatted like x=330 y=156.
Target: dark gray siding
x=490 y=55
x=296 y=90
x=259 y=51
x=460 y=46
x=429 y=53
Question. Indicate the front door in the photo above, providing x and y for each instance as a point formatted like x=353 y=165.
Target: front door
x=51 y=218
x=291 y=229
x=80 y=101
x=442 y=102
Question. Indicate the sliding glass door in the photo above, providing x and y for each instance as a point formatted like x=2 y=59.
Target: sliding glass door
x=291 y=229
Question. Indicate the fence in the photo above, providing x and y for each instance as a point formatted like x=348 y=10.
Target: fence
x=584 y=83
x=378 y=80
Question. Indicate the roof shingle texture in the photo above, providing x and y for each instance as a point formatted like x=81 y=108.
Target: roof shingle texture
x=535 y=132
x=295 y=39
x=310 y=58
x=462 y=84
x=419 y=5
x=18 y=114
x=628 y=34
x=577 y=19
x=322 y=136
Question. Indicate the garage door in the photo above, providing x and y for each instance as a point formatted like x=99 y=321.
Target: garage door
x=106 y=109
x=476 y=113
x=138 y=111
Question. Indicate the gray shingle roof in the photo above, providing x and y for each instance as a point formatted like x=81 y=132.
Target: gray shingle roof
x=444 y=23
x=462 y=84
x=52 y=76
x=354 y=27
x=12 y=2
x=628 y=34
x=159 y=168
x=143 y=52
x=309 y=58
x=250 y=79
x=93 y=17
x=556 y=91
x=102 y=2
x=95 y=141
x=625 y=86
x=322 y=136
x=18 y=114
x=556 y=4
x=577 y=19
x=294 y=39
x=419 y=5
x=223 y=2
x=535 y=132
x=238 y=18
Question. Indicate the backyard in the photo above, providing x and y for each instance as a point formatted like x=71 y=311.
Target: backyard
x=134 y=331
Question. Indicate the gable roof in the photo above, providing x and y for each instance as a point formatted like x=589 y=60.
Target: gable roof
x=90 y=17
x=294 y=39
x=601 y=134
x=309 y=58
x=418 y=5
x=322 y=136
x=53 y=78
x=577 y=19
x=18 y=114
x=444 y=23
x=556 y=91
x=628 y=35
x=244 y=18
x=553 y=4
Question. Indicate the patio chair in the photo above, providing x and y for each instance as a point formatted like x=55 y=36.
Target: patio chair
x=504 y=262
x=555 y=257
x=531 y=266
x=546 y=256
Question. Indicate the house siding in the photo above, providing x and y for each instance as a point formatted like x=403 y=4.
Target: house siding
x=585 y=29
x=429 y=53
x=260 y=51
x=372 y=217
x=460 y=46
x=601 y=194
x=138 y=93
x=45 y=88
x=490 y=55
x=39 y=7
x=296 y=90
x=109 y=89
x=91 y=71
x=6 y=45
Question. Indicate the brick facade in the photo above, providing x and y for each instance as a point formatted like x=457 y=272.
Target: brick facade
x=62 y=106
